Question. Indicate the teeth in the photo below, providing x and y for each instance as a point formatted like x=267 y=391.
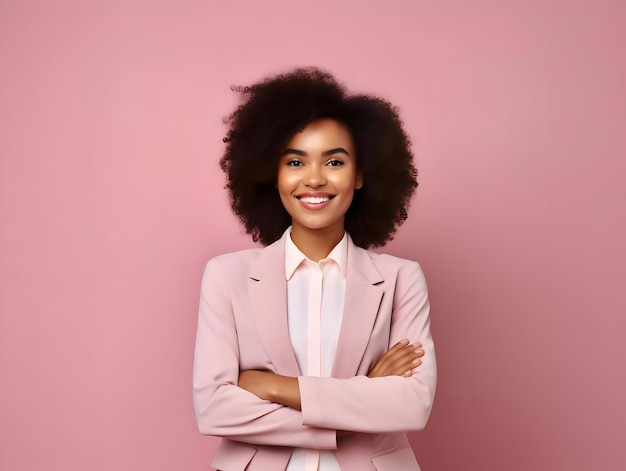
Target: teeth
x=314 y=199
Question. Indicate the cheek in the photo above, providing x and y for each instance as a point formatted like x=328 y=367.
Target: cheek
x=283 y=182
x=346 y=182
x=286 y=185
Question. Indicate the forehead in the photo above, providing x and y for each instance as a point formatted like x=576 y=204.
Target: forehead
x=322 y=133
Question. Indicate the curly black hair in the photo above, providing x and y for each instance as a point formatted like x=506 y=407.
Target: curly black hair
x=278 y=107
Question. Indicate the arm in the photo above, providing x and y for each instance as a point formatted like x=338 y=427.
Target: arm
x=392 y=397
x=383 y=404
x=399 y=360
x=224 y=409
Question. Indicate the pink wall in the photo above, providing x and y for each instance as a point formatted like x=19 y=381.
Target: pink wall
x=111 y=201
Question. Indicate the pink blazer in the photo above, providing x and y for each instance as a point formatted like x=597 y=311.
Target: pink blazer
x=243 y=325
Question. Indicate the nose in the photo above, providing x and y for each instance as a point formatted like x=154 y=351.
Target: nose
x=314 y=177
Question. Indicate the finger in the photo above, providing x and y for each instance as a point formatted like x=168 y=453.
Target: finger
x=392 y=354
x=398 y=359
x=402 y=361
x=398 y=346
x=399 y=356
x=407 y=374
x=414 y=365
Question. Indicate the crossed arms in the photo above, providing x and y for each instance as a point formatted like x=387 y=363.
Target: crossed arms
x=266 y=408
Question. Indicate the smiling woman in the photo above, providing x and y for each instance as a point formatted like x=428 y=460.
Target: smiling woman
x=317 y=176
x=314 y=353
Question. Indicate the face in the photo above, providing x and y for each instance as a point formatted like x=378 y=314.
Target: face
x=317 y=176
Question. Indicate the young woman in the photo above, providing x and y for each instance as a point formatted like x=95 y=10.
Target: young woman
x=314 y=353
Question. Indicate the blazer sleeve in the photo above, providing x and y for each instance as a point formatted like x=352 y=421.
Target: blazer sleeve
x=386 y=404
x=222 y=408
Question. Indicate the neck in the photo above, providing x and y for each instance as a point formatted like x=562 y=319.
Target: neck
x=316 y=244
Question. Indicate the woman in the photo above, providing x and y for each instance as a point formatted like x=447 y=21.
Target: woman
x=313 y=352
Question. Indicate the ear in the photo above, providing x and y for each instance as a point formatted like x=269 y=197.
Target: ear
x=358 y=183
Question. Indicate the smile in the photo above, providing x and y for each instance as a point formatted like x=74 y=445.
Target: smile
x=314 y=199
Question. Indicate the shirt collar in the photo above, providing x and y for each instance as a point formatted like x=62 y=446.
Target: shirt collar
x=294 y=257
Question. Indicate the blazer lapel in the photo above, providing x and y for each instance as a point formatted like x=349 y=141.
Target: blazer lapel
x=362 y=302
x=267 y=288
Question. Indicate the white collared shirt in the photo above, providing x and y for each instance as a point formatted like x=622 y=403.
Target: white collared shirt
x=318 y=289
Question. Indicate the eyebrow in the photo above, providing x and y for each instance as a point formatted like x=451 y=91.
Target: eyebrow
x=326 y=153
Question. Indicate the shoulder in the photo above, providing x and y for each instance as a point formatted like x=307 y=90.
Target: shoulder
x=240 y=260
x=238 y=256
x=379 y=267
x=250 y=263
x=387 y=262
x=399 y=272
x=227 y=272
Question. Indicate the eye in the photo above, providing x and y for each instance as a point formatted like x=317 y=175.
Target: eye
x=294 y=163
x=334 y=163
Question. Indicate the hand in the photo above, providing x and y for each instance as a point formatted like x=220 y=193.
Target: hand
x=399 y=360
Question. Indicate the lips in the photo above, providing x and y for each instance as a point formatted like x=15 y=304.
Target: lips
x=314 y=199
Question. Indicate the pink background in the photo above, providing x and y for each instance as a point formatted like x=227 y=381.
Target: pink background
x=111 y=201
